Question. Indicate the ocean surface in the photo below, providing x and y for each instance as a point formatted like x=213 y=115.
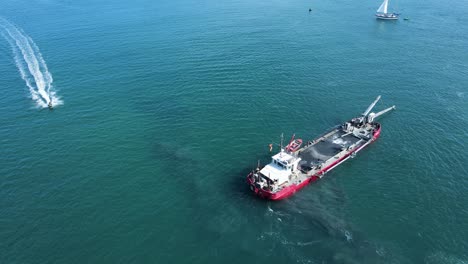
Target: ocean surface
x=163 y=107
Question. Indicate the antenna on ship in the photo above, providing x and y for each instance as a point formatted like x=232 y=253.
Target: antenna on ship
x=281 y=145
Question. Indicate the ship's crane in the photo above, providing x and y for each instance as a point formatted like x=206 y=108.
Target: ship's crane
x=383 y=112
x=372 y=116
x=369 y=109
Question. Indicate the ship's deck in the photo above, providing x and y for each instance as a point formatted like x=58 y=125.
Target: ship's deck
x=326 y=147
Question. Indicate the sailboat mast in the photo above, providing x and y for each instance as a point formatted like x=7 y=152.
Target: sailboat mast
x=383 y=7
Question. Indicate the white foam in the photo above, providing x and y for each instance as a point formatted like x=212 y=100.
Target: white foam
x=348 y=235
x=31 y=65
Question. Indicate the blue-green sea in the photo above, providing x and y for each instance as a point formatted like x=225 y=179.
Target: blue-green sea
x=162 y=108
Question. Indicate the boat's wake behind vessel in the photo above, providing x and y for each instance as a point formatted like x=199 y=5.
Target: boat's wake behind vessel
x=31 y=65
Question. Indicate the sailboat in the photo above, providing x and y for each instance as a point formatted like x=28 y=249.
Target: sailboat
x=382 y=12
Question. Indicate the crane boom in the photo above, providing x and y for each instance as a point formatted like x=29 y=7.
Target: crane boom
x=384 y=111
x=366 y=113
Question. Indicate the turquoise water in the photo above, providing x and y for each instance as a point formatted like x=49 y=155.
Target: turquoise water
x=166 y=105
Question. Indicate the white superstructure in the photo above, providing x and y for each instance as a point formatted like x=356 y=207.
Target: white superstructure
x=281 y=167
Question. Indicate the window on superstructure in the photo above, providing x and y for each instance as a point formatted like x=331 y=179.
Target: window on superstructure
x=281 y=165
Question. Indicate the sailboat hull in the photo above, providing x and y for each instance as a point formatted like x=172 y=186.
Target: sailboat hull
x=387 y=16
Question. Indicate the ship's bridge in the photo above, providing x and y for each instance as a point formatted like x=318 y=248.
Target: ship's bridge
x=283 y=160
x=281 y=166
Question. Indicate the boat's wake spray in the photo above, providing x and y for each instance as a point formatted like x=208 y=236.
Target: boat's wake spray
x=31 y=65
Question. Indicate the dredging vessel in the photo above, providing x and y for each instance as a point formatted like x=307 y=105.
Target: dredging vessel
x=294 y=167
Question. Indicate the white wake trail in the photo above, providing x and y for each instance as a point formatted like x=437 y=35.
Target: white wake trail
x=31 y=65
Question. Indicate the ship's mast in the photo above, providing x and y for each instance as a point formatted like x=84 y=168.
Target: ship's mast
x=281 y=144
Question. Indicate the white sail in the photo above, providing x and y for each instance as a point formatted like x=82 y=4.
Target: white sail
x=383 y=7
